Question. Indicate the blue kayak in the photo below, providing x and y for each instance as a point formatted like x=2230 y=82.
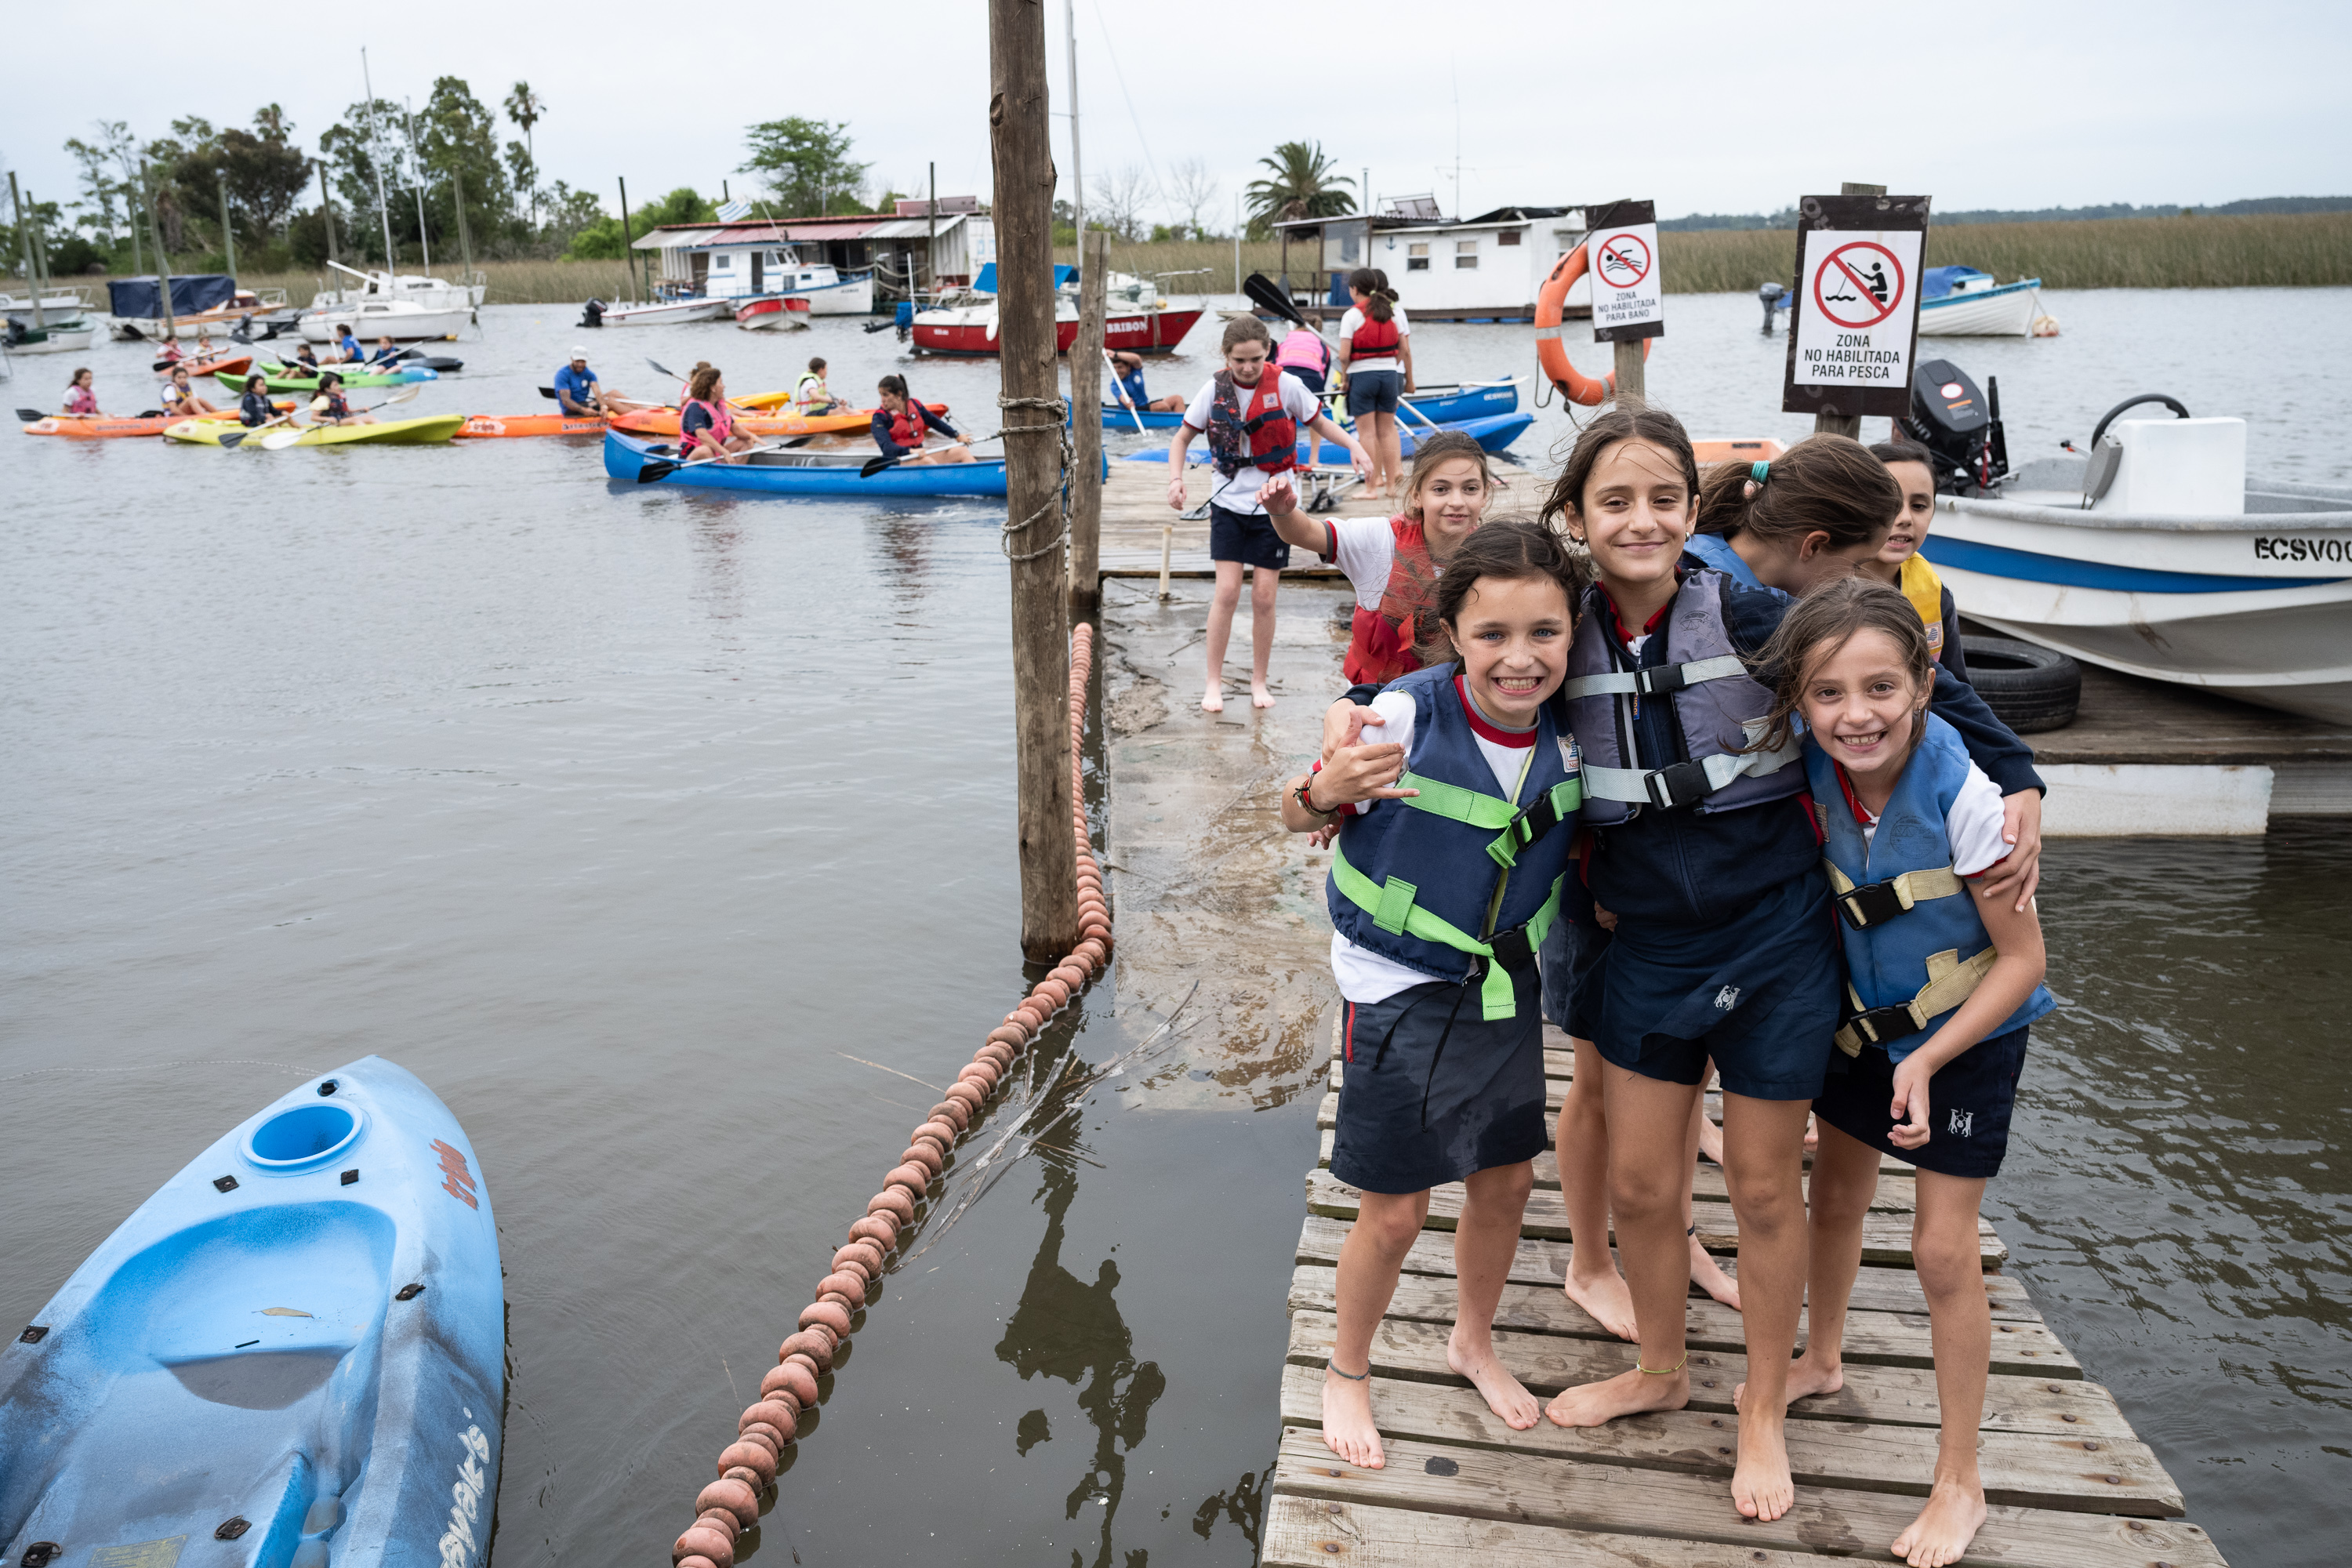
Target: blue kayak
x=802 y=473
x=294 y=1349
x=1494 y=433
x=1446 y=404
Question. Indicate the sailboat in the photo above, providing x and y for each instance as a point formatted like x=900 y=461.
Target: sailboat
x=402 y=306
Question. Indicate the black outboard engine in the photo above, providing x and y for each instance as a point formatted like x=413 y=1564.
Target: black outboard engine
x=593 y=313
x=1960 y=425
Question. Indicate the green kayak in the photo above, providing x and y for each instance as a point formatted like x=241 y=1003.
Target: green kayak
x=279 y=380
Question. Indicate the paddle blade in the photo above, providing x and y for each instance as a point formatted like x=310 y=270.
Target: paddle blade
x=874 y=466
x=29 y=414
x=655 y=471
x=665 y=369
x=278 y=440
x=234 y=440
x=550 y=393
x=1267 y=295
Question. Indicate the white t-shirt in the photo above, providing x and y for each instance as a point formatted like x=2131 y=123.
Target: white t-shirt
x=1240 y=492
x=1364 y=976
x=1354 y=320
x=1365 y=549
x=1972 y=825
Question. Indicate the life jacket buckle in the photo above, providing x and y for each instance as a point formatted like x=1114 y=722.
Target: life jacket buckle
x=1533 y=821
x=1658 y=680
x=1677 y=786
x=1880 y=1025
x=1873 y=905
x=1512 y=949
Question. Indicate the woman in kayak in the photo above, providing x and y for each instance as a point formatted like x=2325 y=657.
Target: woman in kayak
x=253 y=410
x=899 y=424
x=706 y=425
x=332 y=407
x=180 y=399
x=82 y=395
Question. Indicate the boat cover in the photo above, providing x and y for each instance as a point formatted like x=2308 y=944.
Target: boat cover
x=139 y=298
x=986 y=282
x=1940 y=279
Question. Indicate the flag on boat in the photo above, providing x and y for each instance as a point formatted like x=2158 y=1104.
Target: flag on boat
x=734 y=212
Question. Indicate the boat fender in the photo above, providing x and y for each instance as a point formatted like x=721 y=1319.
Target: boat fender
x=1551 y=354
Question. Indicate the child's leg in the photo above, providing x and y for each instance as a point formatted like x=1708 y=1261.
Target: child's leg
x=1370 y=1260
x=1705 y=1272
x=1845 y=1179
x=1227 y=594
x=1264 y=580
x=1582 y=1141
x=1951 y=1270
x=1392 y=452
x=1484 y=1244
x=1647 y=1117
x=1764 y=1168
x=1710 y=1136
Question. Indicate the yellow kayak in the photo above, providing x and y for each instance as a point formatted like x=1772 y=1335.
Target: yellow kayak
x=390 y=433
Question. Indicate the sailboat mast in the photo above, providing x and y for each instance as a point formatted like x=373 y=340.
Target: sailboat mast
x=416 y=168
x=375 y=161
x=1078 y=164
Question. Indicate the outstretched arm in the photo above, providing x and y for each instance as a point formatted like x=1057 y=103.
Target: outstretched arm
x=1279 y=496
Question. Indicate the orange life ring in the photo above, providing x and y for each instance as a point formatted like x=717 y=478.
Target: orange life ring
x=1551 y=354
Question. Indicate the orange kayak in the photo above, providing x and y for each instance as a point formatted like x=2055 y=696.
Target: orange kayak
x=484 y=426
x=103 y=427
x=663 y=422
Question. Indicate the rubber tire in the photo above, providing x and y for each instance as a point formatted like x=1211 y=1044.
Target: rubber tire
x=2028 y=688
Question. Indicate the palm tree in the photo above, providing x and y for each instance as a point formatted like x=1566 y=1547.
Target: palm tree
x=1301 y=186
x=525 y=107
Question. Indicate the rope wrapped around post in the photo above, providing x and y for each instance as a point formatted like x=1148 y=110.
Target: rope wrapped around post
x=1060 y=409
x=747 y=1466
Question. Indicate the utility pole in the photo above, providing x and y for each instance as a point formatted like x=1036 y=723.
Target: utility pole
x=1847 y=425
x=1086 y=427
x=628 y=244
x=228 y=234
x=1078 y=164
x=932 y=268
x=326 y=210
x=1022 y=155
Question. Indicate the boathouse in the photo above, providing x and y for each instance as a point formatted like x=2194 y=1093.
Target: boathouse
x=1483 y=269
x=740 y=261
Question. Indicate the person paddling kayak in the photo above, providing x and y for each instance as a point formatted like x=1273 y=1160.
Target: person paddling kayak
x=386 y=355
x=706 y=425
x=347 y=346
x=899 y=424
x=1128 y=386
x=332 y=407
x=81 y=394
x=253 y=410
x=180 y=399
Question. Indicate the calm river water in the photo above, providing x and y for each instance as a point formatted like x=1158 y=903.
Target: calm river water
x=627 y=818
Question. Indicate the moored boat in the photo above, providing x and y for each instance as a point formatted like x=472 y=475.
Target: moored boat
x=20 y=336
x=430 y=430
x=1139 y=321
x=492 y=427
x=661 y=312
x=300 y=1336
x=1445 y=404
x=1960 y=301
x=200 y=302
x=773 y=313
x=401 y=306
x=805 y=473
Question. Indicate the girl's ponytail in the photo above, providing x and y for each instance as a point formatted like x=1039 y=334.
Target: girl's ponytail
x=1373 y=284
x=1823 y=484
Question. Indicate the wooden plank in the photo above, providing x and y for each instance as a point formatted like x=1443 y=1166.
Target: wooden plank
x=1590 y=1499
x=1885 y=1238
x=1897 y=1188
x=1540 y=1262
x=1302 y=1531
x=1885 y=1338
x=1886 y=1396
x=2023 y=1470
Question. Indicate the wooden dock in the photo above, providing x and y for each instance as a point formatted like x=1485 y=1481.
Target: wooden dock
x=1135 y=513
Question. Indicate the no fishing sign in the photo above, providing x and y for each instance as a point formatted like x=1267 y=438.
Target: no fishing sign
x=1853 y=334
x=1620 y=254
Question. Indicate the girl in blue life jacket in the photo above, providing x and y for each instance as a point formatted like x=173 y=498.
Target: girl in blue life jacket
x=1704 y=851
x=1942 y=982
x=1456 y=820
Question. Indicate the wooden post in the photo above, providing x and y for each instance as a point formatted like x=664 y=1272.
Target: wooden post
x=327 y=210
x=163 y=258
x=25 y=235
x=1167 y=553
x=1846 y=424
x=228 y=234
x=1633 y=380
x=1086 y=427
x=1023 y=163
x=628 y=249
x=931 y=239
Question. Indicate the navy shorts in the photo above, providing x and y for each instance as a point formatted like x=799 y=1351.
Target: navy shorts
x=1374 y=391
x=1247 y=537
x=1968 y=1104
x=1312 y=380
x=1572 y=949
x=1433 y=1092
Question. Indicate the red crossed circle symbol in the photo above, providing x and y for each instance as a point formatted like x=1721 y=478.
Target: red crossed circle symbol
x=1843 y=271
x=1622 y=261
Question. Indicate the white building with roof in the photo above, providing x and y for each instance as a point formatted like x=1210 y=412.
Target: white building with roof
x=1485 y=268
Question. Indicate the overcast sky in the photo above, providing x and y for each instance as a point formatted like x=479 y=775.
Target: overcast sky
x=1700 y=107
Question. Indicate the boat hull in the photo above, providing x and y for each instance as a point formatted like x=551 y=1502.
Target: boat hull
x=772 y=314
x=88 y=427
x=971 y=334
x=429 y=431
x=373 y=322
x=806 y=474
x=62 y=338
x=2006 y=311
x=492 y=427
x=2256 y=606
x=666 y=314
x=243 y=1334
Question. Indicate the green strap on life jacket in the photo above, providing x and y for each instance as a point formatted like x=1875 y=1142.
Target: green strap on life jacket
x=1519 y=826
x=1390 y=905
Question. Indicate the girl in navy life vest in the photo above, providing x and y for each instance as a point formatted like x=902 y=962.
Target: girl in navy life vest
x=1704 y=851
x=706 y=423
x=332 y=407
x=1252 y=413
x=1942 y=983
x=1375 y=362
x=901 y=419
x=1454 y=848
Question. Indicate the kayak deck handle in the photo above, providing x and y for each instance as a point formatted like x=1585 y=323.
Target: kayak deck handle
x=224 y=1183
x=351 y=1176
x=408 y=1292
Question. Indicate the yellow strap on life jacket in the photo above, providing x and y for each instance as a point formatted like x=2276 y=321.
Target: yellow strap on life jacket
x=1950 y=981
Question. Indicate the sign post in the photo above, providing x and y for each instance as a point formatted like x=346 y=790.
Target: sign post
x=1853 y=329
x=1628 y=304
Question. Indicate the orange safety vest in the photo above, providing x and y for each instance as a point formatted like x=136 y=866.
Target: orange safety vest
x=1383 y=646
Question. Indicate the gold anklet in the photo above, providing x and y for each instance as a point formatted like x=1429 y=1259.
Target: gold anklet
x=1662 y=1370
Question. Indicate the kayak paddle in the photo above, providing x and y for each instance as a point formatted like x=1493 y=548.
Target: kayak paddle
x=30 y=415
x=874 y=466
x=663 y=467
x=278 y=440
x=1120 y=393
x=1267 y=295
x=237 y=438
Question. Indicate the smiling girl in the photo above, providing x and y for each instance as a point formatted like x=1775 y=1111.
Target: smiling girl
x=1433 y=950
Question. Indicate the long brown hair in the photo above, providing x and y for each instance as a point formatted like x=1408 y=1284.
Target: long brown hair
x=1619 y=422
x=1373 y=284
x=1823 y=484
x=1827 y=619
x=700 y=388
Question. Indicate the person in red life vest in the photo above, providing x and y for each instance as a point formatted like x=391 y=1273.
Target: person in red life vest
x=706 y=425
x=1376 y=360
x=1252 y=413
x=899 y=424
x=1127 y=386
x=1394 y=562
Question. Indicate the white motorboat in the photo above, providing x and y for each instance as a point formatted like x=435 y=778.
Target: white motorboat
x=2152 y=554
x=406 y=307
x=660 y=312
x=19 y=336
x=1962 y=302
x=63 y=303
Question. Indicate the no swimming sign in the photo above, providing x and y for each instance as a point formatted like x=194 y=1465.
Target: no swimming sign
x=1621 y=251
x=1855 y=325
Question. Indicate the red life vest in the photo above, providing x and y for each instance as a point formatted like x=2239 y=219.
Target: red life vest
x=907 y=425
x=1383 y=646
x=1262 y=436
x=722 y=425
x=1374 y=339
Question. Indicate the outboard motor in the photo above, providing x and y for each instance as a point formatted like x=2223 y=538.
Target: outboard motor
x=593 y=313
x=1776 y=300
x=1960 y=425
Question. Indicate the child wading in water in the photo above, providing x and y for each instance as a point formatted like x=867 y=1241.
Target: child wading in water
x=1900 y=565
x=1252 y=413
x=1433 y=950
x=1943 y=980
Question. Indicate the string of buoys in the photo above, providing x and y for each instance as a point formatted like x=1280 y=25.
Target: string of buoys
x=747 y=1466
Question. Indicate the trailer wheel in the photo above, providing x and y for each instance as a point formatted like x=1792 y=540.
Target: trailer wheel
x=2027 y=686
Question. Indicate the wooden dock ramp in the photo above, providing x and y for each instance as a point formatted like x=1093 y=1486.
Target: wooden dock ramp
x=2069 y=1485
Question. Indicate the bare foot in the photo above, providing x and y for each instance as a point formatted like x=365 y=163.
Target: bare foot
x=1710 y=1277
x=1807 y=1377
x=1605 y=1300
x=1627 y=1393
x=1504 y=1393
x=1213 y=700
x=1347 y=1429
x=1259 y=696
x=1941 y=1534
x=1761 y=1488
x=1710 y=1139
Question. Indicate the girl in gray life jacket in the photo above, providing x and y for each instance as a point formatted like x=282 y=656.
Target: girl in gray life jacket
x=1452 y=852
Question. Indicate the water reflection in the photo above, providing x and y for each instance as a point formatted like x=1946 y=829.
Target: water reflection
x=906 y=540
x=1072 y=1329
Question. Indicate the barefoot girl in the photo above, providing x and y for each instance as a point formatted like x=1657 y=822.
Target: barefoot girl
x=1706 y=856
x=1252 y=413
x=1433 y=950
x=1901 y=566
x=1936 y=1046
x=1376 y=362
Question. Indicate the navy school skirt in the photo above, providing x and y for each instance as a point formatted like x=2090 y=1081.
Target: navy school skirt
x=1433 y=1092
x=1969 y=1102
